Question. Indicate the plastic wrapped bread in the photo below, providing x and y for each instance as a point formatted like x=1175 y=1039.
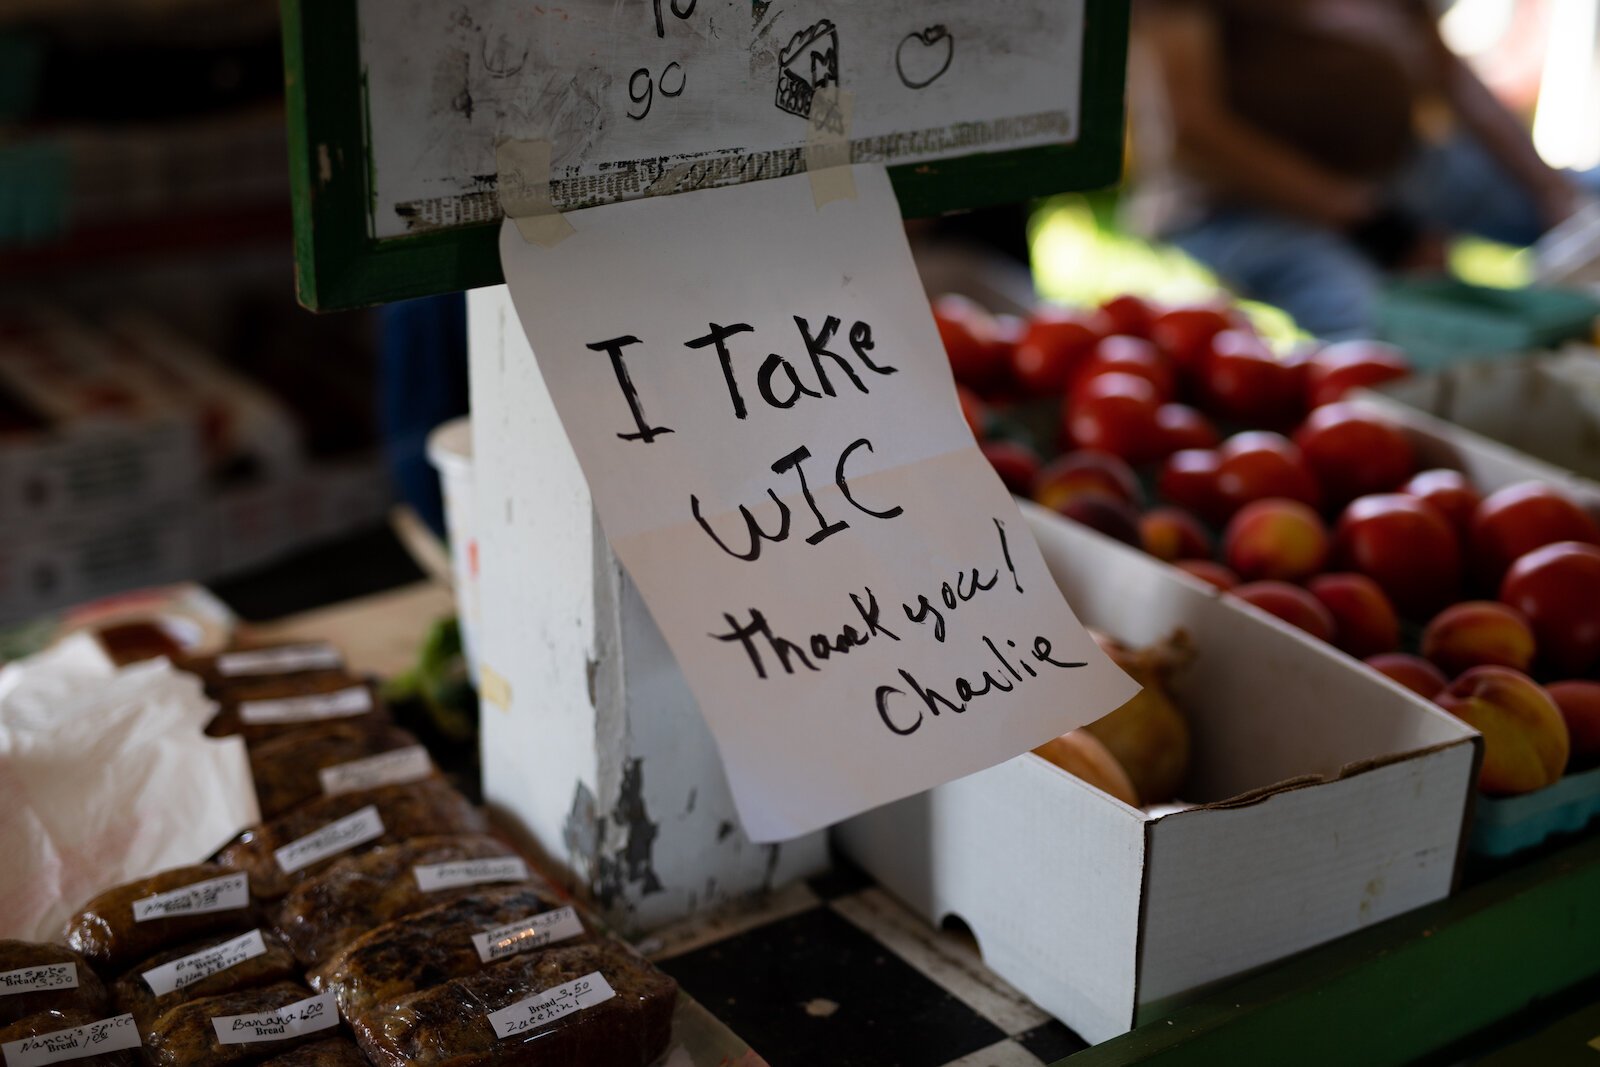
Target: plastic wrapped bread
x=335 y=1052
x=271 y=707
x=124 y=925
x=288 y=770
x=245 y=666
x=36 y=978
x=356 y=893
x=58 y=1025
x=296 y=845
x=247 y=1026
x=207 y=968
x=587 y=1005
x=447 y=941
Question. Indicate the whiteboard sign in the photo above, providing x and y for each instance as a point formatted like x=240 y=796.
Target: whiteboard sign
x=754 y=388
x=640 y=97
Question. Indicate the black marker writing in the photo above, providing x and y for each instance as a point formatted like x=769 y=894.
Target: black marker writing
x=613 y=348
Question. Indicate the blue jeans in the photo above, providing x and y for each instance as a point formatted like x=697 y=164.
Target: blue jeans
x=1321 y=278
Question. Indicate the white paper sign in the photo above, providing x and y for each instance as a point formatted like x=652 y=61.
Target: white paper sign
x=227 y=893
x=396 y=767
x=338 y=836
x=552 y=1004
x=63 y=1046
x=340 y=704
x=292 y=1020
x=39 y=979
x=432 y=877
x=535 y=931
x=187 y=970
x=286 y=659
x=759 y=399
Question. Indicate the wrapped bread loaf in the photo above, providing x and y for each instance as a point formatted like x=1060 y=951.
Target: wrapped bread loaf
x=124 y=925
x=272 y=707
x=244 y=666
x=295 y=846
x=335 y=1052
x=115 y=1040
x=207 y=968
x=356 y=893
x=289 y=770
x=581 y=1006
x=36 y=978
x=247 y=1026
x=443 y=942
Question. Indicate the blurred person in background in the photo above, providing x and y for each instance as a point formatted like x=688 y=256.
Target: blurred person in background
x=1303 y=148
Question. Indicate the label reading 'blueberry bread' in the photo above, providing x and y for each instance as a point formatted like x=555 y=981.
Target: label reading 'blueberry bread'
x=186 y=971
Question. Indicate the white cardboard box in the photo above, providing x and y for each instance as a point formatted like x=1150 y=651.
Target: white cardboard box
x=1332 y=799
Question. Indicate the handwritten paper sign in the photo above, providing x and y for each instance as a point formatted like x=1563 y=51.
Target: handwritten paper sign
x=757 y=394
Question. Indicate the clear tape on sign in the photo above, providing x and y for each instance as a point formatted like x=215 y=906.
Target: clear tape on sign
x=828 y=145
x=523 y=169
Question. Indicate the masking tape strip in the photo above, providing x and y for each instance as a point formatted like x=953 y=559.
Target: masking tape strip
x=493 y=687
x=524 y=186
x=827 y=150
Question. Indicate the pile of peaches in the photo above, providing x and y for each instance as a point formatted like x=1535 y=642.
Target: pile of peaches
x=1181 y=431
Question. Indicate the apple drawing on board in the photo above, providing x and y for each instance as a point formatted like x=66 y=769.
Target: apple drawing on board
x=924 y=55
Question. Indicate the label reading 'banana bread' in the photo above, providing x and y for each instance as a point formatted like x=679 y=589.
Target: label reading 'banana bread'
x=289 y=659
x=395 y=767
x=535 y=931
x=339 y=704
x=432 y=877
x=63 y=1046
x=185 y=972
x=552 y=1004
x=338 y=836
x=39 y=979
x=226 y=893
x=292 y=1020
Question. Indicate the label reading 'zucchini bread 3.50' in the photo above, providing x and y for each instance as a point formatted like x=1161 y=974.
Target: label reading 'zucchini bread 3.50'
x=552 y=1004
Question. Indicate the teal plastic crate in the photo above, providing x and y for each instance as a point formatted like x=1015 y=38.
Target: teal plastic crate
x=1439 y=321
x=1503 y=826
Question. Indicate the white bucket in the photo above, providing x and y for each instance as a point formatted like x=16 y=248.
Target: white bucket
x=450 y=452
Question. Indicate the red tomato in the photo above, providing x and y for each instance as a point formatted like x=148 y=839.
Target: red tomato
x=1185 y=334
x=978 y=354
x=1405 y=546
x=1352 y=453
x=1259 y=464
x=1514 y=521
x=1116 y=413
x=1054 y=344
x=1017 y=465
x=1557 y=587
x=1128 y=314
x=1449 y=491
x=1122 y=354
x=1243 y=381
x=1183 y=427
x=1347 y=365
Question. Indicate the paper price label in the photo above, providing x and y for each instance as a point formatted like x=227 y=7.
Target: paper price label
x=215 y=894
x=535 y=931
x=292 y=1020
x=340 y=704
x=386 y=768
x=185 y=972
x=289 y=659
x=432 y=877
x=342 y=835
x=552 y=1004
x=63 y=1046
x=40 y=979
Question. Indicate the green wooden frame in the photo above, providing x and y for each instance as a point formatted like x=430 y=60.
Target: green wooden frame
x=338 y=265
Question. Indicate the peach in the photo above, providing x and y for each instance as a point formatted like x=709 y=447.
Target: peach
x=1283 y=540
x=1207 y=571
x=1110 y=515
x=1448 y=490
x=1525 y=740
x=1413 y=672
x=1579 y=702
x=1363 y=618
x=1478 y=633
x=1513 y=521
x=1290 y=603
x=1084 y=471
x=1172 y=534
